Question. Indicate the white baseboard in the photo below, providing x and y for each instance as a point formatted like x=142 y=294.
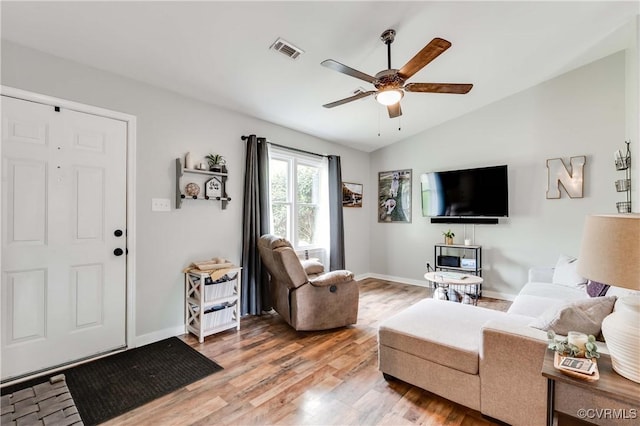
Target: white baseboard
x=156 y=336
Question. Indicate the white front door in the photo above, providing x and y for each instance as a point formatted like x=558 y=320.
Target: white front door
x=63 y=216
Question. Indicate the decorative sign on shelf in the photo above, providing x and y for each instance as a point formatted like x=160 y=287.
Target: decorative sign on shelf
x=572 y=182
x=213 y=187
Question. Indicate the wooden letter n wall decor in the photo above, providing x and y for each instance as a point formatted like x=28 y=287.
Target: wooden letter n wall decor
x=557 y=174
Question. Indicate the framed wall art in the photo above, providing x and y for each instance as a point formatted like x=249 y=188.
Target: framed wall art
x=351 y=194
x=394 y=196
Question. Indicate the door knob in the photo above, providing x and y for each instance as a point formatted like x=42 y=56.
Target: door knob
x=117 y=233
x=118 y=252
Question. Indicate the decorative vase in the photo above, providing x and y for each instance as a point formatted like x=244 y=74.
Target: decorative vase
x=448 y=240
x=188 y=161
x=621 y=331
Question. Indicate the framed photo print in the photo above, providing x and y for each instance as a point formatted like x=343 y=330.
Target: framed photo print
x=351 y=194
x=394 y=196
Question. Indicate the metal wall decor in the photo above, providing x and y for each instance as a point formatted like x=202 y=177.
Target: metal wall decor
x=558 y=174
x=623 y=163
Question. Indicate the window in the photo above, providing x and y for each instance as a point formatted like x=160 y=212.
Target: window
x=298 y=198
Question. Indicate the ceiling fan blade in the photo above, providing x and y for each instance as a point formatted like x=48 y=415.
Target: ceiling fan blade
x=394 y=110
x=460 y=89
x=337 y=66
x=423 y=57
x=349 y=99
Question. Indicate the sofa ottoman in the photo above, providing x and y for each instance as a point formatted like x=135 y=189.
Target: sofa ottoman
x=435 y=345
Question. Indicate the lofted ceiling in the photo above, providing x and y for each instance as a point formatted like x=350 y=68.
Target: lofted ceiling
x=218 y=52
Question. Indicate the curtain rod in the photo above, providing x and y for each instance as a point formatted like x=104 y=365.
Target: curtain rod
x=244 y=138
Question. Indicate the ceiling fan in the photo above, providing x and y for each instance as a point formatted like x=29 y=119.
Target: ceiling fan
x=390 y=83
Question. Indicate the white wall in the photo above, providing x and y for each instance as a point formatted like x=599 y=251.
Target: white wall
x=169 y=125
x=579 y=113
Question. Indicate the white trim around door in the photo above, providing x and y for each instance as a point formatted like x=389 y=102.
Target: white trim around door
x=130 y=121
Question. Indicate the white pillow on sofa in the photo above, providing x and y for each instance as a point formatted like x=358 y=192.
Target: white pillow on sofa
x=565 y=273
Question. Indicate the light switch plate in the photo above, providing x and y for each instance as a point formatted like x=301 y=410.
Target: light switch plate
x=160 y=205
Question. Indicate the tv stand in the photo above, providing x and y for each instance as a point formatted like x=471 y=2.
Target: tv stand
x=467 y=220
x=444 y=252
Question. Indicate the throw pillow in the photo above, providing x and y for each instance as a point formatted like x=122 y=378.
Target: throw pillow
x=565 y=272
x=583 y=315
x=596 y=289
x=312 y=266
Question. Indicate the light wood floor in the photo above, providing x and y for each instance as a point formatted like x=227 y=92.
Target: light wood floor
x=275 y=375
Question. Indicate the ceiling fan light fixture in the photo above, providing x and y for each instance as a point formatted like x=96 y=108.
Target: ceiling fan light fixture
x=389 y=97
x=390 y=83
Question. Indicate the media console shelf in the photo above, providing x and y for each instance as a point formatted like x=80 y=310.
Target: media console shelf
x=452 y=257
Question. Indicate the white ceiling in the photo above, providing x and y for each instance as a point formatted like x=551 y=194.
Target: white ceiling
x=219 y=52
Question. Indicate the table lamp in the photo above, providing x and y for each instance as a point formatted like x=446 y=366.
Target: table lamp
x=610 y=254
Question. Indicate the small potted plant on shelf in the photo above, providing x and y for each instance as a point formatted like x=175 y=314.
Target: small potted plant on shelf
x=448 y=237
x=216 y=162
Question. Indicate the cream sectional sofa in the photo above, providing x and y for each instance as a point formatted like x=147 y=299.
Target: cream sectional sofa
x=487 y=360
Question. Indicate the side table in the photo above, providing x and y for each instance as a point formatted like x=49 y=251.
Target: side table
x=468 y=284
x=212 y=308
x=611 y=400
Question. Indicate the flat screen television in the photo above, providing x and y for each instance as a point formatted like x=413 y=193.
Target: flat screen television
x=481 y=192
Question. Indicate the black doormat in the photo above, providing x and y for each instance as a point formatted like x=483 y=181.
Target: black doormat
x=110 y=386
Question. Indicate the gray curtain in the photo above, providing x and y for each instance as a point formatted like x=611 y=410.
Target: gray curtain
x=336 y=256
x=255 y=281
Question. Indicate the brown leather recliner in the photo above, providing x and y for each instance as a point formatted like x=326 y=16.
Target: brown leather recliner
x=316 y=302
